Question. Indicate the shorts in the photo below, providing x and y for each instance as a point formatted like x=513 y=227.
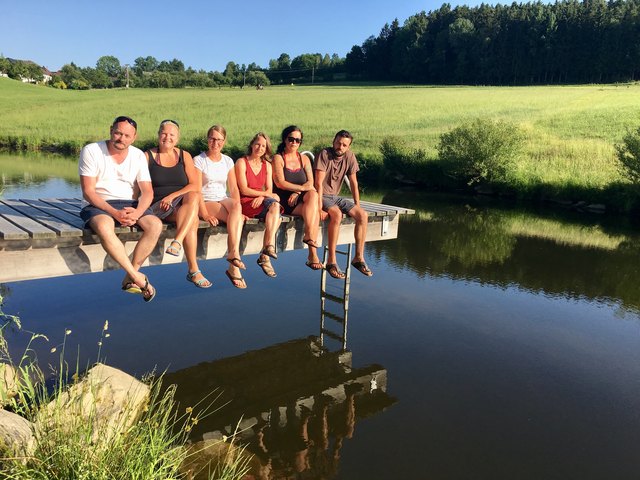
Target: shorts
x=266 y=203
x=162 y=214
x=343 y=204
x=88 y=212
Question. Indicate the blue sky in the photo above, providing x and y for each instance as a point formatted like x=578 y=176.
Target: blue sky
x=203 y=34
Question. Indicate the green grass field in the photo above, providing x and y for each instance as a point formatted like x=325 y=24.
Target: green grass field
x=571 y=130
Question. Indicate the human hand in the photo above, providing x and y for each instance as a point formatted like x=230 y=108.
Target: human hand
x=323 y=215
x=127 y=216
x=256 y=202
x=293 y=199
x=213 y=221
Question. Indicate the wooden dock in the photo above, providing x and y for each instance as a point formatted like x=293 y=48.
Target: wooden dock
x=46 y=238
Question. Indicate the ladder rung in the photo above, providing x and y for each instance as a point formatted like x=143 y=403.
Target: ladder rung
x=333 y=316
x=332 y=335
x=333 y=298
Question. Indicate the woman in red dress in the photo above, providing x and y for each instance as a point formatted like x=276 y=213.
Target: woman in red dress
x=254 y=177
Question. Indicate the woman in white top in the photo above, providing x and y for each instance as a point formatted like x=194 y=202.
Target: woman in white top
x=217 y=176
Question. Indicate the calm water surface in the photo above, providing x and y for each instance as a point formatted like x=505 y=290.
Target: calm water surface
x=491 y=343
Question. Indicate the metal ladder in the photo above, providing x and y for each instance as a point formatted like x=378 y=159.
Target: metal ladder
x=341 y=299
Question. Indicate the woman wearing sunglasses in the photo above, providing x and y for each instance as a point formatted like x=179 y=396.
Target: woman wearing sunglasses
x=253 y=172
x=176 y=196
x=217 y=177
x=293 y=177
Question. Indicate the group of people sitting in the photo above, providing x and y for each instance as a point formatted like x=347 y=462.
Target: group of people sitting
x=125 y=186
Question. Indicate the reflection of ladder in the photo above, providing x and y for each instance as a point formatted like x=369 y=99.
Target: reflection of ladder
x=339 y=297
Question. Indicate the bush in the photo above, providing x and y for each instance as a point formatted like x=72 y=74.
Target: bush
x=402 y=163
x=628 y=153
x=481 y=151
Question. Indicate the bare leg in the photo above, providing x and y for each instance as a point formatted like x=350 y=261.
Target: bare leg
x=311 y=216
x=230 y=212
x=335 y=218
x=104 y=227
x=360 y=232
x=271 y=223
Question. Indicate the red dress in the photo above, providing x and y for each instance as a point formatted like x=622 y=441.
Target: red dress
x=256 y=182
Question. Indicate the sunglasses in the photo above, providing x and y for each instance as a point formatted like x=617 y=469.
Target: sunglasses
x=294 y=140
x=129 y=120
x=168 y=120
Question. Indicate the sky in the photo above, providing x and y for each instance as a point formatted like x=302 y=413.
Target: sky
x=202 y=34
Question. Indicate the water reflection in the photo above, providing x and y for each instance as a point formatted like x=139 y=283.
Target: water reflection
x=294 y=403
x=32 y=175
x=555 y=253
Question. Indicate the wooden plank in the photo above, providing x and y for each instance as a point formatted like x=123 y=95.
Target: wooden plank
x=398 y=210
x=61 y=228
x=71 y=219
x=58 y=203
x=74 y=209
x=9 y=231
x=35 y=229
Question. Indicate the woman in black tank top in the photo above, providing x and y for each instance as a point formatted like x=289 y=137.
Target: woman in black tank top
x=176 y=196
x=293 y=179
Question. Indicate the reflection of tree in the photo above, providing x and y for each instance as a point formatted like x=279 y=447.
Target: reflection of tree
x=489 y=245
x=473 y=238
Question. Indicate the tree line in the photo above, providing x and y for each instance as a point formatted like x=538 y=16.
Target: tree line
x=570 y=41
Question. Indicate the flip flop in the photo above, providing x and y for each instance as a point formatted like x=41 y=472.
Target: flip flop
x=314 y=265
x=172 y=250
x=236 y=262
x=202 y=283
x=310 y=242
x=266 y=267
x=233 y=279
x=131 y=287
x=146 y=294
x=270 y=251
x=335 y=271
x=362 y=268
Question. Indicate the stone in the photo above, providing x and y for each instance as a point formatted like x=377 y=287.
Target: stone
x=16 y=435
x=8 y=381
x=111 y=400
x=205 y=456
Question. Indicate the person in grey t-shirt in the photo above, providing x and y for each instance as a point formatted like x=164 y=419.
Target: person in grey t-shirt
x=332 y=165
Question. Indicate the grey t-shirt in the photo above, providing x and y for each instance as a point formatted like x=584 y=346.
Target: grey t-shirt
x=336 y=168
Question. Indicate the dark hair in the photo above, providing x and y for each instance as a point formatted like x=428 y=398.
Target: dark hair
x=343 y=134
x=124 y=118
x=267 y=152
x=285 y=133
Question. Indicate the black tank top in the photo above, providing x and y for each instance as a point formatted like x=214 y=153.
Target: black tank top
x=166 y=180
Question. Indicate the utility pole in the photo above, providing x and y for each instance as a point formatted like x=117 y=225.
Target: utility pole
x=313 y=74
x=127 y=74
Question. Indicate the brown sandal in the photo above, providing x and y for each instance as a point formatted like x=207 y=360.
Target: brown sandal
x=270 y=251
x=335 y=271
x=265 y=265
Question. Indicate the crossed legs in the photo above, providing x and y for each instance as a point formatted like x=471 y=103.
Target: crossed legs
x=104 y=227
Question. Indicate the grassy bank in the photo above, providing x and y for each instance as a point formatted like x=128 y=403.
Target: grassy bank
x=571 y=131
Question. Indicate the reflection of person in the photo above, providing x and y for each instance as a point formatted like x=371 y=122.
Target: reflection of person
x=332 y=165
x=176 y=195
x=110 y=171
x=216 y=174
x=293 y=176
x=253 y=173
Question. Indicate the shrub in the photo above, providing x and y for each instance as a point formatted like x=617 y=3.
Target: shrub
x=403 y=163
x=481 y=151
x=628 y=153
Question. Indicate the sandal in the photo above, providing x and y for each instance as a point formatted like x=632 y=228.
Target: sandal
x=173 y=250
x=362 y=268
x=241 y=283
x=148 y=292
x=266 y=266
x=236 y=262
x=202 y=283
x=335 y=271
x=313 y=265
x=270 y=251
x=310 y=242
x=130 y=287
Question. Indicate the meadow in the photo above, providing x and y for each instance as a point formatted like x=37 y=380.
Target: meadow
x=571 y=130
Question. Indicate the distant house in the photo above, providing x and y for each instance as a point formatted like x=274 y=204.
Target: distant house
x=46 y=74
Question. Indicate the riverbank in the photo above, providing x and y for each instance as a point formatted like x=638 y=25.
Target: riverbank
x=571 y=131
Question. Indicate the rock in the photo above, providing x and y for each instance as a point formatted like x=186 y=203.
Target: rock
x=16 y=435
x=108 y=398
x=8 y=380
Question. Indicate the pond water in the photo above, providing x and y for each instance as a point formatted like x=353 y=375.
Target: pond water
x=492 y=342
